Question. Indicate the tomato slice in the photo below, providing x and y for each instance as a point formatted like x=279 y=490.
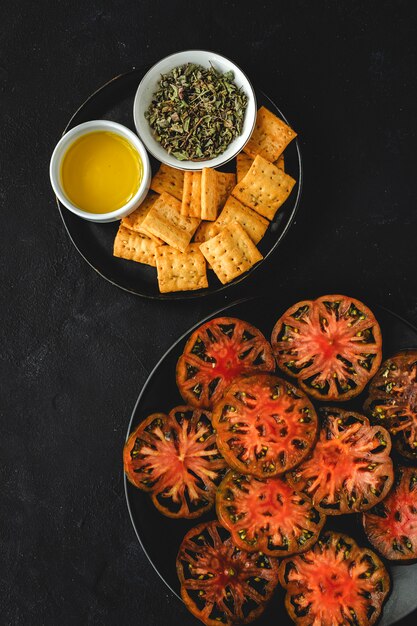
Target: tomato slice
x=265 y=426
x=267 y=515
x=175 y=458
x=392 y=400
x=221 y=584
x=332 y=345
x=350 y=468
x=335 y=583
x=391 y=525
x=215 y=354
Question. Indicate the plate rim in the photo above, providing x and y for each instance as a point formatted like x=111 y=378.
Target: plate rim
x=183 y=336
x=183 y=295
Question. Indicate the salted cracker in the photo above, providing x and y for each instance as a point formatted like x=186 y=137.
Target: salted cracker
x=210 y=194
x=264 y=188
x=226 y=182
x=191 y=194
x=134 y=246
x=236 y=212
x=270 y=136
x=280 y=162
x=215 y=189
x=230 y=253
x=243 y=163
x=206 y=230
x=165 y=221
x=181 y=271
x=134 y=220
x=168 y=179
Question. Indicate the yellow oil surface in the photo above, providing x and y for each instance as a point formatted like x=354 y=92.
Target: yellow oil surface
x=101 y=171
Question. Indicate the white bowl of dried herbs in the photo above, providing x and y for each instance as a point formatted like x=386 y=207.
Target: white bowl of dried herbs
x=194 y=109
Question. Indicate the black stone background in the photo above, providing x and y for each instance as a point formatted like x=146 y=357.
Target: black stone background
x=76 y=350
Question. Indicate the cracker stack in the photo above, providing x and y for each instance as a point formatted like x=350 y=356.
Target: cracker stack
x=199 y=219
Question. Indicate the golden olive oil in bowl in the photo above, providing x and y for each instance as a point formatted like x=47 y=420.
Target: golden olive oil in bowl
x=101 y=172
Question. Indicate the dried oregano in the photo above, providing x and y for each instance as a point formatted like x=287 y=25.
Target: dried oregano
x=196 y=112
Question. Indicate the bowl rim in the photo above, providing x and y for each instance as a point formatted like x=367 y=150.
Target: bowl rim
x=78 y=131
x=199 y=165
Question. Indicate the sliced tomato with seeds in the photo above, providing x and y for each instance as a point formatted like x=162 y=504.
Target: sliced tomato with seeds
x=392 y=400
x=220 y=583
x=215 y=354
x=335 y=583
x=175 y=458
x=350 y=468
x=332 y=345
x=267 y=515
x=391 y=525
x=265 y=425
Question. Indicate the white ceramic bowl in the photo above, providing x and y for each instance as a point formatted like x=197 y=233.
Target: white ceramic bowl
x=63 y=145
x=149 y=85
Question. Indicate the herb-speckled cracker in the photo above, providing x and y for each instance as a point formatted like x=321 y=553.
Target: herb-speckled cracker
x=168 y=179
x=231 y=253
x=264 y=188
x=234 y=211
x=215 y=189
x=280 y=162
x=134 y=246
x=180 y=271
x=243 y=163
x=226 y=184
x=270 y=137
x=210 y=194
x=191 y=194
x=165 y=221
x=135 y=219
x=205 y=231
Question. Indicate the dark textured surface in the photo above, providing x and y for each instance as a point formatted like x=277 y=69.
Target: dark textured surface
x=75 y=350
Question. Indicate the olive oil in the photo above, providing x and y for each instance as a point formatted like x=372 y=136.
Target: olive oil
x=101 y=171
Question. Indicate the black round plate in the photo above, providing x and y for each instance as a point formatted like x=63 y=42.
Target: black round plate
x=161 y=537
x=94 y=242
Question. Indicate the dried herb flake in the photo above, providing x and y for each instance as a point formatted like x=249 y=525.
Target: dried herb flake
x=196 y=112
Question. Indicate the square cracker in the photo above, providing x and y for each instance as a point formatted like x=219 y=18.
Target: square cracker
x=191 y=194
x=280 y=162
x=134 y=246
x=181 y=271
x=230 y=253
x=270 y=137
x=168 y=179
x=205 y=231
x=135 y=219
x=215 y=189
x=165 y=221
x=243 y=163
x=264 y=188
x=226 y=183
x=210 y=194
x=234 y=211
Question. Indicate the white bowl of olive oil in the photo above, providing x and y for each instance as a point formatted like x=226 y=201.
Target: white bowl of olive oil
x=100 y=171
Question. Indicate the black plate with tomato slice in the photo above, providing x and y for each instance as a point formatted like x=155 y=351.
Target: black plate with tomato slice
x=161 y=537
x=94 y=242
